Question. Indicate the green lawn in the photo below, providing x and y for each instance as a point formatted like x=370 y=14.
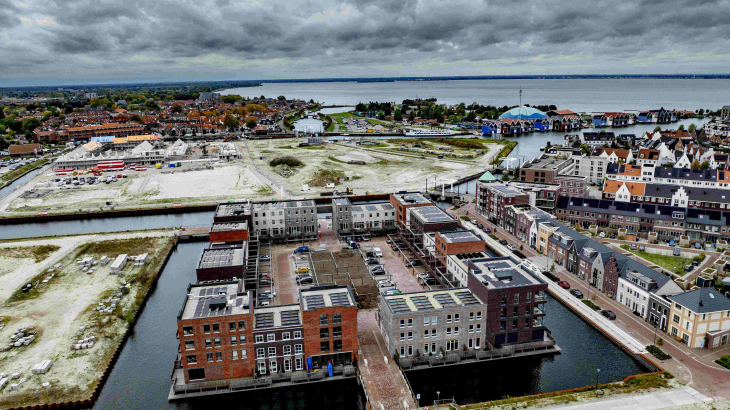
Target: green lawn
x=674 y=264
x=724 y=361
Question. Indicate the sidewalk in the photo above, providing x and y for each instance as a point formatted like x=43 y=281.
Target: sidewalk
x=660 y=400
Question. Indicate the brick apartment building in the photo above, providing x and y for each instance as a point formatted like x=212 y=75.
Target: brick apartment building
x=86 y=132
x=403 y=201
x=329 y=316
x=222 y=261
x=229 y=232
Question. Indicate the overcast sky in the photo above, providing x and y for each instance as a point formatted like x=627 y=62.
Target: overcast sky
x=89 y=41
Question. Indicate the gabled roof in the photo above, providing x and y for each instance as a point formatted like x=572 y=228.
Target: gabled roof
x=703 y=300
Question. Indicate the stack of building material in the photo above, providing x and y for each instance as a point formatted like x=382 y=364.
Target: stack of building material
x=140 y=260
x=118 y=264
x=104 y=260
x=22 y=337
x=3 y=382
x=85 y=343
x=42 y=367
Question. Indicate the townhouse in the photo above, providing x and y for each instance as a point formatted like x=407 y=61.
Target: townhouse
x=598 y=139
x=700 y=318
x=282 y=221
x=685 y=197
x=638 y=283
x=614 y=155
x=367 y=219
x=403 y=201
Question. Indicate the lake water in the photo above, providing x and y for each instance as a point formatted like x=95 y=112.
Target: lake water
x=573 y=94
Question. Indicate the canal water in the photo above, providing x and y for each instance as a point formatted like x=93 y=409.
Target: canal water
x=584 y=351
x=19 y=182
x=141 y=377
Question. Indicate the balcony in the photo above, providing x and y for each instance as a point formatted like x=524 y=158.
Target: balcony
x=537 y=322
x=540 y=297
x=537 y=311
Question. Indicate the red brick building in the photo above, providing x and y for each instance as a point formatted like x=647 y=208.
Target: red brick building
x=229 y=232
x=403 y=201
x=214 y=329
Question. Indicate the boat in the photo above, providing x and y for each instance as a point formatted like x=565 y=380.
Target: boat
x=418 y=132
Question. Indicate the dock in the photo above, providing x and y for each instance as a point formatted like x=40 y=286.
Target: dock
x=194 y=234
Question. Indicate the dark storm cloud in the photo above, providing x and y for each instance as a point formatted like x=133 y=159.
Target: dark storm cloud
x=282 y=39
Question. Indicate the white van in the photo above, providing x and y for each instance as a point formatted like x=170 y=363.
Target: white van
x=378 y=253
x=330 y=185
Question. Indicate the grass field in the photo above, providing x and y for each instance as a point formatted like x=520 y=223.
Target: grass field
x=671 y=263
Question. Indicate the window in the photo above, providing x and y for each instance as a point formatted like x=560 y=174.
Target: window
x=448 y=318
x=271 y=337
x=410 y=335
x=426 y=320
x=434 y=320
x=402 y=351
x=216 y=328
x=187 y=330
x=452 y=345
x=448 y=331
x=324 y=347
x=272 y=352
x=217 y=342
x=287 y=350
x=410 y=350
x=244 y=354
x=262 y=367
x=323 y=320
x=190 y=345
x=260 y=353
x=298 y=349
x=479 y=327
x=285 y=336
x=242 y=339
x=299 y=363
x=206 y=329
x=234 y=340
x=208 y=344
x=196 y=374
x=337 y=331
x=209 y=357
x=433 y=333
x=337 y=345
x=402 y=323
x=456 y=330
x=192 y=359
x=517 y=298
x=425 y=333
x=471 y=316
x=410 y=322
x=259 y=338
x=297 y=334
x=231 y=326
x=471 y=328
x=425 y=348
x=336 y=318
x=234 y=354
x=324 y=333
x=272 y=366
x=241 y=325
x=457 y=317
x=479 y=315
x=675 y=319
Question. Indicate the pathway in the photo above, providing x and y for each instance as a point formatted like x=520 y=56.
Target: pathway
x=659 y=400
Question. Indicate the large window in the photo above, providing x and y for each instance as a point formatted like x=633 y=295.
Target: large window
x=324 y=347
x=192 y=359
x=323 y=320
x=337 y=345
x=336 y=318
x=196 y=374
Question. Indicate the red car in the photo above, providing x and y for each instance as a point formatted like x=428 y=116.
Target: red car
x=563 y=284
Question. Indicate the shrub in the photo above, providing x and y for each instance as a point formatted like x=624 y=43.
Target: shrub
x=290 y=161
x=591 y=305
x=657 y=352
x=552 y=277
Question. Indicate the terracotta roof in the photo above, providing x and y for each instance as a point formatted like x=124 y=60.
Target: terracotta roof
x=635 y=188
x=628 y=169
x=621 y=153
x=24 y=149
x=647 y=153
x=565 y=112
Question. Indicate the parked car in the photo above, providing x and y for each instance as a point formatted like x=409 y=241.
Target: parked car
x=676 y=251
x=301 y=249
x=671 y=242
x=695 y=262
x=377 y=270
x=610 y=315
x=634 y=247
x=265 y=257
x=423 y=276
x=563 y=284
x=511 y=247
x=390 y=292
x=388 y=241
x=487 y=230
x=480 y=226
x=383 y=284
x=642 y=248
x=576 y=293
x=378 y=253
x=503 y=242
x=372 y=261
x=698 y=245
x=412 y=263
x=689 y=268
x=305 y=280
x=302 y=269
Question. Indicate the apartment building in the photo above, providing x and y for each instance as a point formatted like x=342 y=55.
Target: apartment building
x=365 y=219
x=329 y=315
x=545 y=169
x=430 y=322
x=214 y=329
x=493 y=198
x=453 y=249
x=593 y=168
x=700 y=318
x=685 y=197
x=598 y=139
x=233 y=212
x=87 y=132
x=614 y=155
x=403 y=201
x=278 y=339
x=228 y=232
x=514 y=298
x=282 y=221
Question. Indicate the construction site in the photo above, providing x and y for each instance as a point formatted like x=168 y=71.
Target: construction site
x=67 y=305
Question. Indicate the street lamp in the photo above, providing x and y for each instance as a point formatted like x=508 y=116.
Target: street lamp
x=438 y=396
x=598 y=371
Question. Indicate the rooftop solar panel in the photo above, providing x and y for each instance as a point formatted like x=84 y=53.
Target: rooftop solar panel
x=444 y=299
x=398 y=305
x=340 y=299
x=467 y=298
x=314 y=301
x=289 y=318
x=422 y=303
x=264 y=320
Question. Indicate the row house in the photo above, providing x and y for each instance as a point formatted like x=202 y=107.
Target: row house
x=611 y=119
x=684 y=197
x=614 y=155
x=629 y=172
x=598 y=139
x=657 y=117
x=279 y=221
x=648 y=156
x=370 y=219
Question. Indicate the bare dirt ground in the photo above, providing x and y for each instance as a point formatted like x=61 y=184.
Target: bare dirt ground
x=152 y=187
x=60 y=308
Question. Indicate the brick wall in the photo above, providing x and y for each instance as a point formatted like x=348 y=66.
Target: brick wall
x=312 y=336
x=229 y=236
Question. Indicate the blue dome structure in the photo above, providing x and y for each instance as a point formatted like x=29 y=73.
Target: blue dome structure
x=524 y=113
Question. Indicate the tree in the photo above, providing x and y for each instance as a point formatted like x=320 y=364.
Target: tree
x=231 y=98
x=701 y=111
x=471 y=116
x=177 y=108
x=2 y=114
x=692 y=128
x=95 y=102
x=151 y=105
x=281 y=98
x=29 y=124
x=398 y=116
x=705 y=165
x=250 y=123
x=657 y=128
x=585 y=149
x=231 y=122
x=696 y=164
x=681 y=127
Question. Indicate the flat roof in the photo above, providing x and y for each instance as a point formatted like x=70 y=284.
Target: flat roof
x=461 y=236
x=215 y=299
x=341 y=201
x=324 y=298
x=549 y=163
x=372 y=207
x=277 y=316
x=500 y=273
x=431 y=300
x=431 y=214
x=408 y=198
x=221 y=258
x=233 y=209
x=229 y=226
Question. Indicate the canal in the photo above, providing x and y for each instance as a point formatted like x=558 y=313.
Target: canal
x=584 y=351
x=19 y=182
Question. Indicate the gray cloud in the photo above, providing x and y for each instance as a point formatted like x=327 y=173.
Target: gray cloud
x=262 y=39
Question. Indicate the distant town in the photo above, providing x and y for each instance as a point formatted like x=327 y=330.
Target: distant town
x=359 y=247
